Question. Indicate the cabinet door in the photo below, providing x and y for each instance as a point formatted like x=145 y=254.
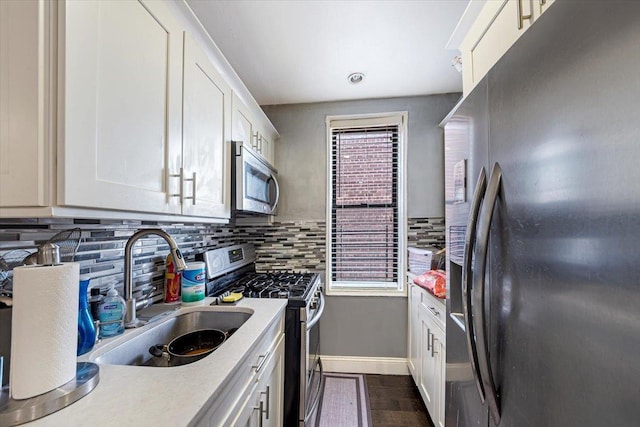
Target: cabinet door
x=438 y=342
x=500 y=36
x=264 y=406
x=272 y=389
x=414 y=332
x=122 y=97
x=206 y=137
x=24 y=103
x=496 y=29
x=242 y=122
x=428 y=374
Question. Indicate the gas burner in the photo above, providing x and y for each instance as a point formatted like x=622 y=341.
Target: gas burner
x=274 y=285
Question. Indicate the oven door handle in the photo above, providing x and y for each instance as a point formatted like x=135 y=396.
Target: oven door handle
x=316 y=318
x=316 y=400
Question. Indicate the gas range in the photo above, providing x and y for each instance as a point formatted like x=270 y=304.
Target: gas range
x=232 y=269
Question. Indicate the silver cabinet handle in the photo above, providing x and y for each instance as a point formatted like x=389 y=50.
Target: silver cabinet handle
x=254 y=137
x=428 y=339
x=261 y=359
x=260 y=410
x=467 y=274
x=480 y=260
x=180 y=195
x=434 y=311
x=521 y=17
x=266 y=413
x=433 y=346
x=193 y=180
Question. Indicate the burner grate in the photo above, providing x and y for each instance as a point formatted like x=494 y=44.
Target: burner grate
x=274 y=285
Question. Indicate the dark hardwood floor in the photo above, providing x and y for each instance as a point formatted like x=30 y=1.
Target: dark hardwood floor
x=395 y=402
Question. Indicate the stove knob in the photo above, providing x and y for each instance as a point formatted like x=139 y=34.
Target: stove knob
x=314 y=304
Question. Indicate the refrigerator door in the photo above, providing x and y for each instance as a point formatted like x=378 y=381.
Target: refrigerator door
x=466 y=140
x=564 y=317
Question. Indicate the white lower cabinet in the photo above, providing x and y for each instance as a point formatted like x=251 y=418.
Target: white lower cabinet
x=431 y=384
x=413 y=352
x=427 y=349
x=253 y=395
x=264 y=405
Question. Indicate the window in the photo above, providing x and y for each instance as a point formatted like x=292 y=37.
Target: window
x=365 y=206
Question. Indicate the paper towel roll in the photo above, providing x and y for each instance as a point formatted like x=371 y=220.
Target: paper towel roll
x=44 y=328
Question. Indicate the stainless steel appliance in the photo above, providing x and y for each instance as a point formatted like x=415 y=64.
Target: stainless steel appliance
x=232 y=269
x=543 y=322
x=255 y=184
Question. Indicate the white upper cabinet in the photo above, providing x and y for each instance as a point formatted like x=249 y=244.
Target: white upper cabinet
x=206 y=136
x=242 y=126
x=498 y=25
x=24 y=103
x=122 y=105
x=117 y=109
x=247 y=128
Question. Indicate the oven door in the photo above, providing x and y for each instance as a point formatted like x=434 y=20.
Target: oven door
x=313 y=372
x=256 y=184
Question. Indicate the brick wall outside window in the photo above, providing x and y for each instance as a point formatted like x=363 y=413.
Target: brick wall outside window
x=365 y=207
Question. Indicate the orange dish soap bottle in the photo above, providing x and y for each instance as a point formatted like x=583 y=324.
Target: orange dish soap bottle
x=172 y=280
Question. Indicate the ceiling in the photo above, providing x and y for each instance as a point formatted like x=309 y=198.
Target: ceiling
x=302 y=51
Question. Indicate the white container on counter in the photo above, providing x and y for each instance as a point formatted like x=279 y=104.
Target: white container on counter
x=193 y=284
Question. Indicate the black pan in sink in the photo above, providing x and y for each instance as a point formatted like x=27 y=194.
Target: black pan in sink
x=190 y=347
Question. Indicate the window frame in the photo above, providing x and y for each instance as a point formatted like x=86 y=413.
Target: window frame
x=363 y=120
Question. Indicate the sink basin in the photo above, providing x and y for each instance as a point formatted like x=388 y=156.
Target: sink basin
x=135 y=351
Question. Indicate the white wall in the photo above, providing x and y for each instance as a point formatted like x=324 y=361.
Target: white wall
x=359 y=326
x=301 y=152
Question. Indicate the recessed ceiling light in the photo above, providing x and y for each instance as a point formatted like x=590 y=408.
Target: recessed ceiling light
x=355 y=78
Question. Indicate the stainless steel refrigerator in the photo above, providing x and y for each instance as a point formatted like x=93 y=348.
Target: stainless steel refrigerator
x=542 y=164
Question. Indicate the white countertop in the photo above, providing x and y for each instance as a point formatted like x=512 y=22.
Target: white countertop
x=145 y=396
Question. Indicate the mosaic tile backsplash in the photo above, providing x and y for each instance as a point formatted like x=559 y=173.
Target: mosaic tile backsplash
x=291 y=245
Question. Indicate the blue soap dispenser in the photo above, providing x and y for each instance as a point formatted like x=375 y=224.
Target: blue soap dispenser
x=111 y=314
x=86 y=327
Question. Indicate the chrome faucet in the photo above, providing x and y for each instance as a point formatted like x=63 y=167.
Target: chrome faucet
x=130 y=317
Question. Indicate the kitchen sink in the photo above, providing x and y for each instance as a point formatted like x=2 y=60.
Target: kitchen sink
x=135 y=351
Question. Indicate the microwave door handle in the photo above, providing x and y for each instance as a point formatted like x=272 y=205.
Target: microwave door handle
x=467 y=275
x=480 y=258
x=275 y=204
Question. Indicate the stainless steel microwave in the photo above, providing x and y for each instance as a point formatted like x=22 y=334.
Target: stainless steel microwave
x=255 y=183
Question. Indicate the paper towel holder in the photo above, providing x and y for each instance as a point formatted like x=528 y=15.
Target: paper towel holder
x=48 y=254
x=14 y=412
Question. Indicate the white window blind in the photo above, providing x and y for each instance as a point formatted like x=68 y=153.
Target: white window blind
x=364 y=211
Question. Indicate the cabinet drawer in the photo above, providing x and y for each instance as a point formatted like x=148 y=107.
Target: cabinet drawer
x=434 y=306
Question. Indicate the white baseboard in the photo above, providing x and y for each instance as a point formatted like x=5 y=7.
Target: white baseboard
x=365 y=365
